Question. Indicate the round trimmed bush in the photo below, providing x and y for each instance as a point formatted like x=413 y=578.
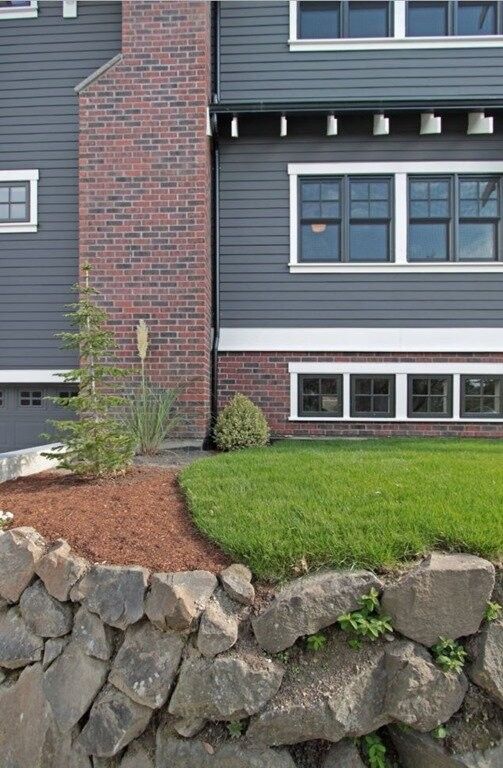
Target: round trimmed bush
x=241 y=424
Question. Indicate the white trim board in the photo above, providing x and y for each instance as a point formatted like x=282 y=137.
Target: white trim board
x=399 y=170
x=31 y=176
x=399 y=41
x=23 y=12
x=32 y=376
x=361 y=340
x=400 y=372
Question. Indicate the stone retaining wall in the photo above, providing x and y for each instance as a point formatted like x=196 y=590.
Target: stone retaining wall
x=113 y=667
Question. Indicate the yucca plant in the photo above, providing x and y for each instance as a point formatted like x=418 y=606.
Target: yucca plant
x=150 y=414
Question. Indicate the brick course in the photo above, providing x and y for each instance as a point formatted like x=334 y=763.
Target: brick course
x=145 y=181
x=264 y=377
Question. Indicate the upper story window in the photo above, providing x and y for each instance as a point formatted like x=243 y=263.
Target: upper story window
x=402 y=217
x=18 y=201
x=381 y=24
x=448 y=17
x=353 y=19
x=18 y=9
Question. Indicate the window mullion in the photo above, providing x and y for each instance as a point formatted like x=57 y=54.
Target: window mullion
x=456 y=396
x=452 y=17
x=454 y=211
x=401 y=216
x=344 y=19
x=345 y=218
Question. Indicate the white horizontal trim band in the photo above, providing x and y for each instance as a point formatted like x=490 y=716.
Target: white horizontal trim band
x=416 y=368
x=32 y=376
x=396 y=43
x=19 y=175
x=393 y=267
x=390 y=167
x=361 y=340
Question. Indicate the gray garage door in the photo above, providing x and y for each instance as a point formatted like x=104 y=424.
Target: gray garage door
x=24 y=412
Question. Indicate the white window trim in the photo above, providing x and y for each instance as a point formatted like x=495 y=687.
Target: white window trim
x=398 y=42
x=342 y=339
x=69 y=9
x=401 y=371
x=400 y=171
x=32 y=177
x=26 y=12
x=33 y=376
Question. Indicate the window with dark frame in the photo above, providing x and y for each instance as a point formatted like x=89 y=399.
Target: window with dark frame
x=372 y=396
x=429 y=397
x=14 y=202
x=482 y=396
x=320 y=395
x=15 y=4
x=346 y=218
x=344 y=19
x=31 y=397
x=454 y=218
x=459 y=18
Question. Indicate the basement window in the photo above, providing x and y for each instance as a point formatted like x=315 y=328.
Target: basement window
x=430 y=397
x=320 y=395
x=372 y=396
x=481 y=396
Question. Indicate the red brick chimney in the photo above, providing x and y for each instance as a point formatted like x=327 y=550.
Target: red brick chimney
x=145 y=188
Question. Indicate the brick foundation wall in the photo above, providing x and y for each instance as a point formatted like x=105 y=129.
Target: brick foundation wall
x=264 y=377
x=144 y=174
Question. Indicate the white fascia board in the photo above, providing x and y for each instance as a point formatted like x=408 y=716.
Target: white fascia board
x=361 y=340
x=32 y=376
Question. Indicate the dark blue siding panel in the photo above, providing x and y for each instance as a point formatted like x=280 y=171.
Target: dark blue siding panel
x=257 y=289
x=256 y=64
x=41 y=61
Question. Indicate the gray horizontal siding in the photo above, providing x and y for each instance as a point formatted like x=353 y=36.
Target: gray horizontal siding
x=256 y=64
x=41 y=61
x=256 y=287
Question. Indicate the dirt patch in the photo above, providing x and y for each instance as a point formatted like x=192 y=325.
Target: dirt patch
x=478 y=725
x=138 y=519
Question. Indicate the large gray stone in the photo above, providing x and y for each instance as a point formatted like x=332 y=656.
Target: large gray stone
x=146 y=664
x=218 y=628
x=176 y=600
x=309 y=604
x=43 y=614
x=114 y=592
x=71 y=683
x=330 y=694
x=60 y=569
x=236 y=580
x=18 y=645
x=343 y=755
x=419 y=693
x=226 y=688
x=114 y=721
x=420 y=750
x=92 y=634
x=487 y=668
x=20 y=550
x=177 y=753
x=444 y=596
x=28 y=734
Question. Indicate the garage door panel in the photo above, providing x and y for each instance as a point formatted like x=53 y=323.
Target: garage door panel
x=24 y=415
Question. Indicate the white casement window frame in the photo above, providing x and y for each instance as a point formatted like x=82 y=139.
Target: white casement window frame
x=31 y=176
x=401 y=371
x=22 y=12
x=399 y=171
x=399 y=41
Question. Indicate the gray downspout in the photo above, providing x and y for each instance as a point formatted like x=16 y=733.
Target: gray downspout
x=215 y=213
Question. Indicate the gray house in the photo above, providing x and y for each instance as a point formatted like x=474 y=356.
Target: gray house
x=303 y=199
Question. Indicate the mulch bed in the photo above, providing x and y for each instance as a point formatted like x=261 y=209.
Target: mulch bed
x=138 y=519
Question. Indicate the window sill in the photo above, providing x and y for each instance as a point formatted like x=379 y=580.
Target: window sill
x=9 y=229
x=397 y=43
x=19 y=13
x=393 y=267
x=402 y=420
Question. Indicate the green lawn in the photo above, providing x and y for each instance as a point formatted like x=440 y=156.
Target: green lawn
x=341 y=503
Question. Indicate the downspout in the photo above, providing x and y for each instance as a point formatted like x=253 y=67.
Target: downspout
x=215 y=215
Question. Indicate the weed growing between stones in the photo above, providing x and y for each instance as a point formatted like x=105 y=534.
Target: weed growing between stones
x=366 y=623
x=316 y=642
x=449 y=655
x=493 y=611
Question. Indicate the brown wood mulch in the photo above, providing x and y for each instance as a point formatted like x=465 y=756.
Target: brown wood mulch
x=137 y=519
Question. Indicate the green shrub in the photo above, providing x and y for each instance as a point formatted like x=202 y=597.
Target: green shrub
x=241 y=424
x=449 y=655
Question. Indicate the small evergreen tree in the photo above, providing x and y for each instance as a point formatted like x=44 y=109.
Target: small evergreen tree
x=97 y=443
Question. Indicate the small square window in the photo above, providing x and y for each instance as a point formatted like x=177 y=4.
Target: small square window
x=14 y=202
x=30 y=397
x=320 y=395
x=430 y=397
x=372 y=396
x=482 y=396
